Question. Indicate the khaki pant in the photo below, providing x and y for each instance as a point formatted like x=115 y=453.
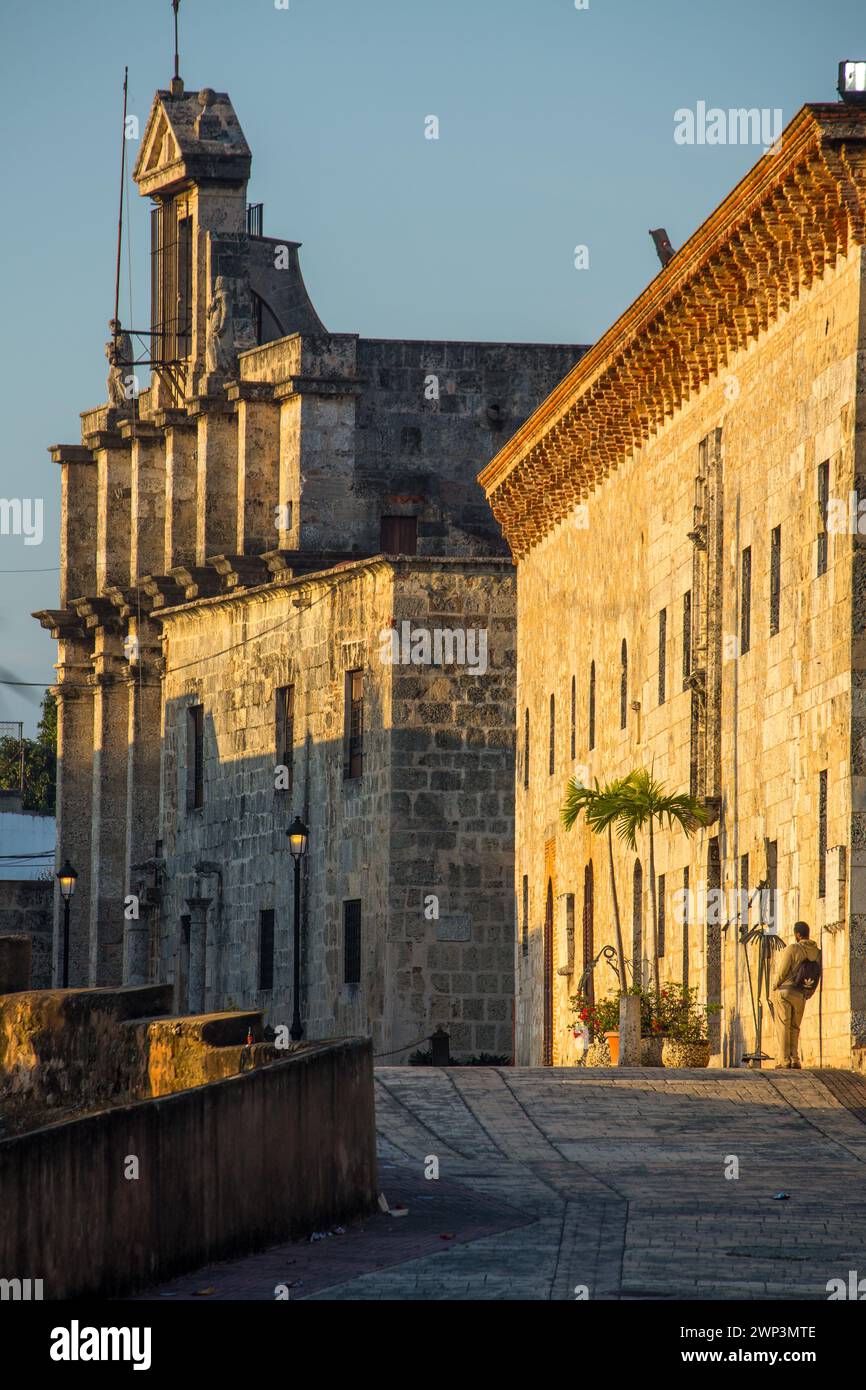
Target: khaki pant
x=789 y=1005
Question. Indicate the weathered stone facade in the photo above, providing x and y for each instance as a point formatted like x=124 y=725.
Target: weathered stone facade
x=266 y=456
x=676 y=628
x=429 y=817
x=25 y=907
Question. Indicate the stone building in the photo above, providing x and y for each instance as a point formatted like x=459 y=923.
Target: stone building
x=229 y=554
x=691 y=600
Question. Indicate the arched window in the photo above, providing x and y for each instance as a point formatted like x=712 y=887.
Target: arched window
x=592 y=706
x=526 y=748
x=637 y=923
x=573 y=718
x=552 y=756
x=588 y=930
x=623 y=684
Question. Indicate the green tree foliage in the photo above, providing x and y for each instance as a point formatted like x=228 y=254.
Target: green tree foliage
x=40 y=762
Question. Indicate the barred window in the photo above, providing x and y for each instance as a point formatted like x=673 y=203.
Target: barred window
x=686 y=951
x=552 y=751
x=822 y=834
x=746 y=600
x=775 y=579
x=285 y=731
x=592 y=706
x=352 y=942
x=637 y=922
x=526 y=748
x=573 y=718
x=744 y=890
x=354 y=740
x=687 y=634
x=623 y=684
x=195 y=758
x=525 y=911
x=266 y=949
x=770 y=915
x=823 y=500
x=663 y=653
x=660 y=917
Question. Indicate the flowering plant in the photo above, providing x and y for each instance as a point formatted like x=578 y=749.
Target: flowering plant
x=676 y=1013
x=597 y=1019
x=672 y=1013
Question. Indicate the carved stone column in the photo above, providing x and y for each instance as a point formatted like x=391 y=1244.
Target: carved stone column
x=108 y=842
x=74 y=796
x=113 y=467
x=181 y=445
x=217 y=483
x=258 y=466
x=147 y=503
x=142 y=791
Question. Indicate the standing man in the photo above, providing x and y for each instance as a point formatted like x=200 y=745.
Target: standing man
x=797 y=977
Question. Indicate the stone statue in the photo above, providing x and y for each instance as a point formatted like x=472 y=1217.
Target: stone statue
x=121 y=372
x=220 y=329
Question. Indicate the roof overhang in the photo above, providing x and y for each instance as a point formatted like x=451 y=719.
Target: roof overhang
x=800 y=208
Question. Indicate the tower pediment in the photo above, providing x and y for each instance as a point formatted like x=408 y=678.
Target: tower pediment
x=194 y=137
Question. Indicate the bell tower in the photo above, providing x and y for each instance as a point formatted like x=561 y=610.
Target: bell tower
x=194 y=164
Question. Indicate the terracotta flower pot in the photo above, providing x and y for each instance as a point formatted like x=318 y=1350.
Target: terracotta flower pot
x=613 y=1045
x=685 y=1054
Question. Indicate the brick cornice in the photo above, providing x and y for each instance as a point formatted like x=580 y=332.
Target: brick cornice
x=794 y=213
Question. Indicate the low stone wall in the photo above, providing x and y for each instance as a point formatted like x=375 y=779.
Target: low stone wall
x=62 y=1047
x=222 y=1170
x=87 y=1048
x=27 y=905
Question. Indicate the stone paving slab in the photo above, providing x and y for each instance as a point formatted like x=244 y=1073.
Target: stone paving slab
x=555 y=1180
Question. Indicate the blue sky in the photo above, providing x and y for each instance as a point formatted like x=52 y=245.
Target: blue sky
x=555 y=130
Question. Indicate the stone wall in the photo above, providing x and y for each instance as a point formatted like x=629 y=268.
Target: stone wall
x=251 y=1160
x=63 y=1050
x=430 y=818
x=787 y=404
x=26 y=905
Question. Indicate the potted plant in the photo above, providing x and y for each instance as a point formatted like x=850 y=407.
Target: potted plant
x=683 y=1025
x=651 y=1036
x=601 y=1022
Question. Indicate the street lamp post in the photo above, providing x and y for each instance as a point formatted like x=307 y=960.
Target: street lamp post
x=297 y=837
x=67 y=878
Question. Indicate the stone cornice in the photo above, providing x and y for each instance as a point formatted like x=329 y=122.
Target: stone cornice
x=70 y=453
x=344 y=572
x=795 y=212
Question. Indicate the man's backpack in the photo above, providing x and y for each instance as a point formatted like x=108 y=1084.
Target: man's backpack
x=807 y=976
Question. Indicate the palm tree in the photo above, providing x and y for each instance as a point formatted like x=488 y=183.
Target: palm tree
x=643 y=801
x=602 y=808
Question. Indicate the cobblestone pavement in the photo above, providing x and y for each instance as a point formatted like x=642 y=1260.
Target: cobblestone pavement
x=551 y=1179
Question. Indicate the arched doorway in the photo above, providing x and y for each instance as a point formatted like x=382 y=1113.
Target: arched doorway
x=713 y=946
x=548 y=976
x=589 y=930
